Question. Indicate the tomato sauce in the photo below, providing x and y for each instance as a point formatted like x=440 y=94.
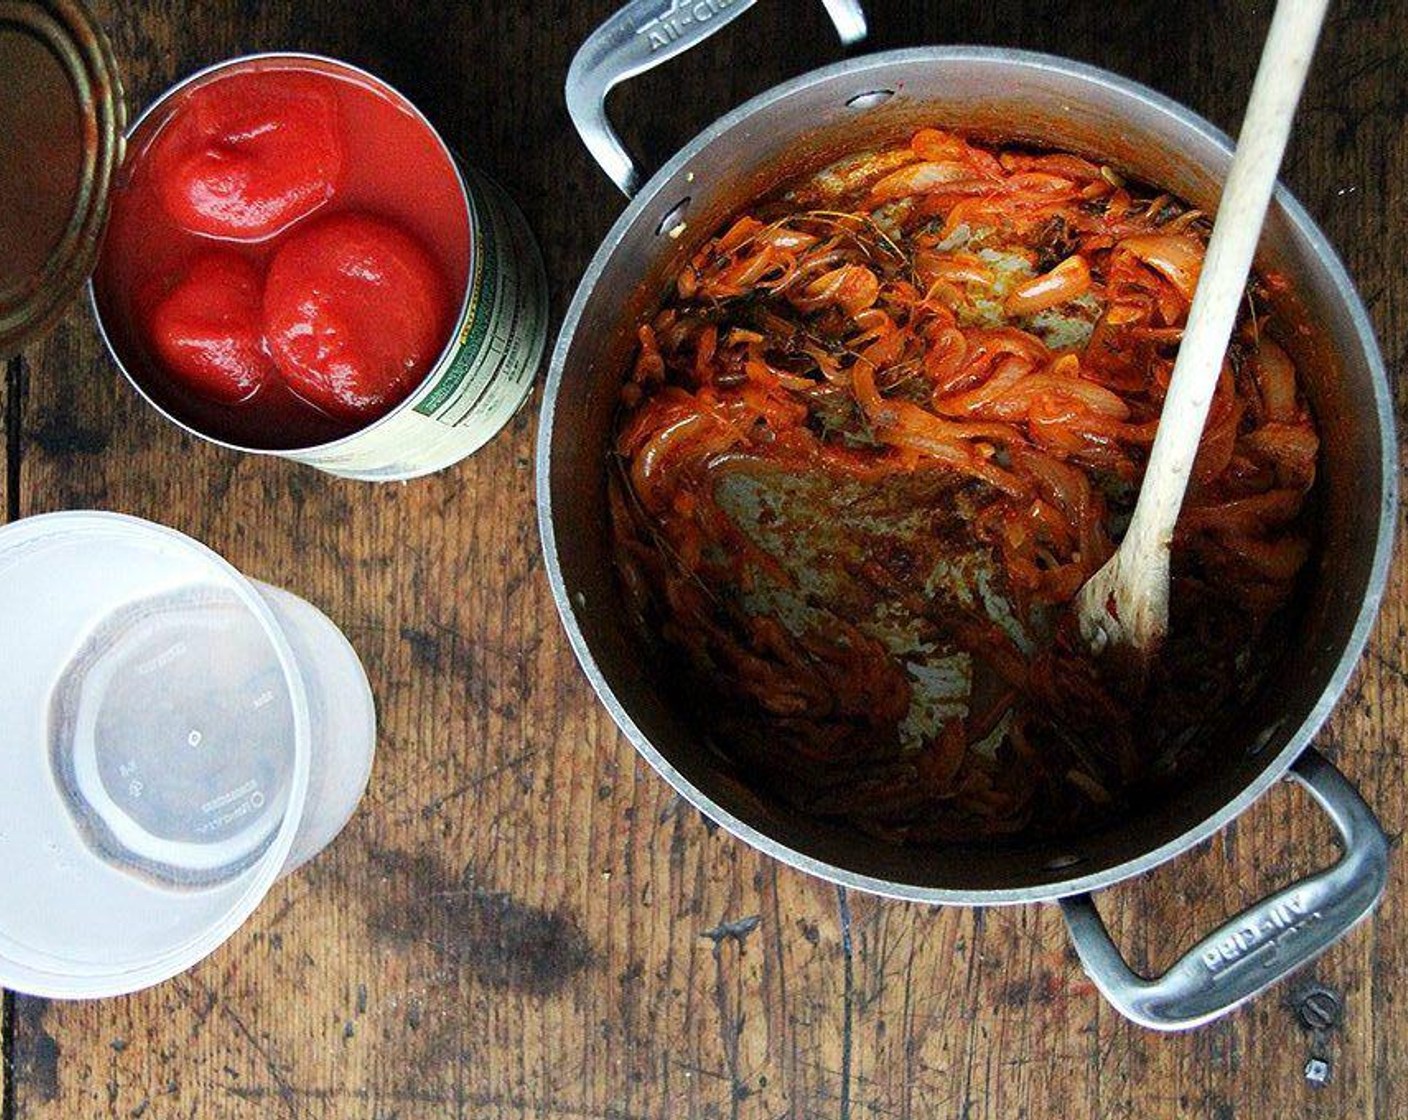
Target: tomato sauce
x=885 y=426
x=287 y=253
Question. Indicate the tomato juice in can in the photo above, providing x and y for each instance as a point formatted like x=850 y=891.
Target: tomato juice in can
x=234 y=335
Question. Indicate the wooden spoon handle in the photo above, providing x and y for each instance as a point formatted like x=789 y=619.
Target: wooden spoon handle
x=1285 y=58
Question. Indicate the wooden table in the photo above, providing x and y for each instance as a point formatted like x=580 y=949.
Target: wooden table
x=523 y=920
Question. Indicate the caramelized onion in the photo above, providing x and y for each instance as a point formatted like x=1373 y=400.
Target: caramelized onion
x=1069 y=279
x=1176 y=257
x=837 y=431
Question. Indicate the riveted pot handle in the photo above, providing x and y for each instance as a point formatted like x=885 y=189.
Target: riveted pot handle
x=639 y=37
x=1265 y=942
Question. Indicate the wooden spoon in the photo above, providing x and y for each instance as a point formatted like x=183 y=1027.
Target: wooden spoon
x=1124 y=605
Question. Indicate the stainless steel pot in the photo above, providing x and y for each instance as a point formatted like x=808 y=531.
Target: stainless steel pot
x=1015 y=96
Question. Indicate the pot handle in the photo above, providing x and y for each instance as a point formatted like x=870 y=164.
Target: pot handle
x=1264 y=943
x=639 y=37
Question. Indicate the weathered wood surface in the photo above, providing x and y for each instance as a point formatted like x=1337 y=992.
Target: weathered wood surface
x=522 y=921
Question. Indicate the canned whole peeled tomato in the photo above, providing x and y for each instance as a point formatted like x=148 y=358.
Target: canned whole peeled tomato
x=232 y=287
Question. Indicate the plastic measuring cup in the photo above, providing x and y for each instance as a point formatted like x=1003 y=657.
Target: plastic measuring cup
x=173 y=737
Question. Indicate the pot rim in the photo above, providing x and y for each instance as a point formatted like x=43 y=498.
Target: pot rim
x=1271 y=772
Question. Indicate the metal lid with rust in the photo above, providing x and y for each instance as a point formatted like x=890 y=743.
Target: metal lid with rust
x=62 y=119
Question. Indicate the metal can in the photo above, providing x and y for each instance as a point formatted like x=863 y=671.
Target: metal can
x=61 y=118
x=484 y=373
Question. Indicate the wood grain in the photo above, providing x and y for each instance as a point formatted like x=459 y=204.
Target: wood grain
x=522 y=920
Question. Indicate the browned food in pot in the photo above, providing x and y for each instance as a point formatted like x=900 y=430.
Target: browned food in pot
x=886 y=425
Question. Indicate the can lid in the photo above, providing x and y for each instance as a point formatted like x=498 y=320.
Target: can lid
x=62 y=117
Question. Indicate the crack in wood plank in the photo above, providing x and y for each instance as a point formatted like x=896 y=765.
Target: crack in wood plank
x=288 y=1095
x=517 y=762
x=843 y=906
x=7 y=1055
x=730 y=1022
x=16 y=390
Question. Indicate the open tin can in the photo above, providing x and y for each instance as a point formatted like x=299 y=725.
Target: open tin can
x=481 y=376
x=62 y=120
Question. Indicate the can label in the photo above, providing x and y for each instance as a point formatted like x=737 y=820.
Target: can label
x=503 y=314
x=481 y=381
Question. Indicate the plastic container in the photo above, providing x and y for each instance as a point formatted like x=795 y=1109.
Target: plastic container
x=177 y=737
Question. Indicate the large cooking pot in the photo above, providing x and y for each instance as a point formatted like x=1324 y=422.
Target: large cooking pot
x=1009 y=95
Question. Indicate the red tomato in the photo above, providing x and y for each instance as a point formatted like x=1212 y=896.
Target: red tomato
x=248 y=159
x=206 y=330
x=355 y=312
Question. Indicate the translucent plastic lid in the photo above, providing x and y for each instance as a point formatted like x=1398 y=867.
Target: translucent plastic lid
x=155 y=752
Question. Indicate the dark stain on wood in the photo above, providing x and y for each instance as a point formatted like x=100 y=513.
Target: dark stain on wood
x=502 y=941
x=733 y=931
x=300 y=486
x=425 y=647
x=441 y=645
x=1042 y=987
x=36 y=1052
x=674 y=808
x=60 y=434
x=1017 y=994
